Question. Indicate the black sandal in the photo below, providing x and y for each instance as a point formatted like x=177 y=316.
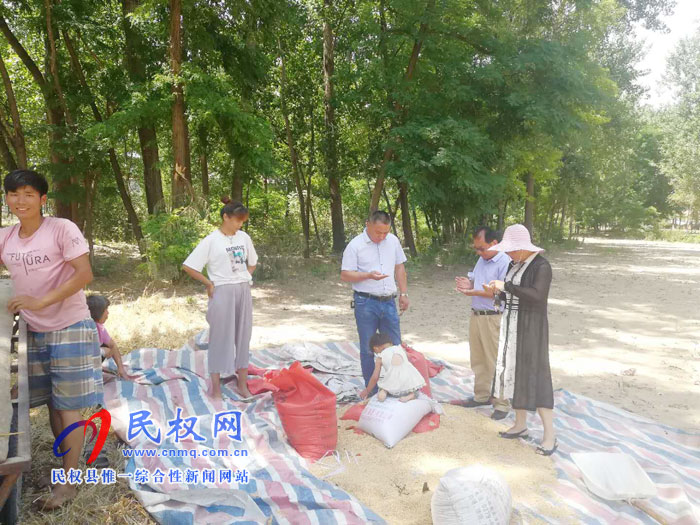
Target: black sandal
x=547 y=452
x=514 y=435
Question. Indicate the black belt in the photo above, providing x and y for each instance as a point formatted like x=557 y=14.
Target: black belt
x=381 y=298
x=486 y=312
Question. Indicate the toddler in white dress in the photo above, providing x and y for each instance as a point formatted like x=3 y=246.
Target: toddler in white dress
x=401 y=379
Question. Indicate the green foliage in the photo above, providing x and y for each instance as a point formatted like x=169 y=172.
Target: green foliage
x=456 y=253
x=681 y=126
x=170 y=239
x=498 y=91
x=673 y=236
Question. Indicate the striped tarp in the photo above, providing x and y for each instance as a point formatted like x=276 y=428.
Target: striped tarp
x=671 y=457
x=283 y=489
x=280 y=488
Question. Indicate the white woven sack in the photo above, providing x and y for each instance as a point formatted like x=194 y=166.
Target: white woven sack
x=391 y=420
x=471 y=495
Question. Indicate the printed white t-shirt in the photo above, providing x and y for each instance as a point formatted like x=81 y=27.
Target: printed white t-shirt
x=226 y=257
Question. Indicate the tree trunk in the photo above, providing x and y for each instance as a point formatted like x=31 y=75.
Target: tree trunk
x=91 y=179
x=310 y=215
x=294 y=158
x=204 y=160
x=237 y=182
x=181 y=176
x=54 y=117
x=400 y=110
x=53 y=63
x=59 y=162
x=390 y=211
x=550 y=224
x=5 y=152
x=152 y=179
x=379 y=184
x=415 y=222
x=113 y=160
x=563 y=213
x=67 y=177
x=501 y=221
x=406 y=219
x=17 y=137
x=126 y=199
x=310 y=209
x=148 y=140
x=530 y=203
x=427 y=221
x=331 y=138
x=571 y=225
x=446 y=229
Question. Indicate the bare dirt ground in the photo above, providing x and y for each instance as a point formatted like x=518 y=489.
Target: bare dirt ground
x=624 y=322
x=623 y=315
x=624 y=328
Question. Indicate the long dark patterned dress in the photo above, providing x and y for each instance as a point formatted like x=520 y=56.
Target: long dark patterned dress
x=526 y=307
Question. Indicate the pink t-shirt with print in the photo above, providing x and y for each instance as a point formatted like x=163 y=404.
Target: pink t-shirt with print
x=105 y=339
x=39 y=264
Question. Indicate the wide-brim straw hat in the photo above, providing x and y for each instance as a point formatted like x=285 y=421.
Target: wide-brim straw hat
x=516 y=237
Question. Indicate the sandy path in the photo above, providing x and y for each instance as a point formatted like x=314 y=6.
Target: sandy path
x=614 y=306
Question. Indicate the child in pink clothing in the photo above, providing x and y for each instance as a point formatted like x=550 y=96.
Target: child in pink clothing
x=99 y=311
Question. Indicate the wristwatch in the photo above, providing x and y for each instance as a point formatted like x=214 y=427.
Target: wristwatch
x=403 y=294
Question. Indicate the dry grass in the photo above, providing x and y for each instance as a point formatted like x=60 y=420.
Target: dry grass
x=104 y=504
x=145 y=313
x=161 y=319
x=136 y=320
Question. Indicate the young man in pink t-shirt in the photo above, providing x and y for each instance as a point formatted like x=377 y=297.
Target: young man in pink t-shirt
x=48 y=261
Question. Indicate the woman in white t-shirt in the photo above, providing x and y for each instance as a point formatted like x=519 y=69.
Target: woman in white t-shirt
x=230 y=259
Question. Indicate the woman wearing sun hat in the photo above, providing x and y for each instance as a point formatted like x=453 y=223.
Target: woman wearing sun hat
x=522 y=370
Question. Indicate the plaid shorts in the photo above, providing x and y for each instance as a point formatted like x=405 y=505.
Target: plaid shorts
x=65 y=367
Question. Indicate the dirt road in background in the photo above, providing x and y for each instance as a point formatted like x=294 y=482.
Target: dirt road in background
x=624 y=321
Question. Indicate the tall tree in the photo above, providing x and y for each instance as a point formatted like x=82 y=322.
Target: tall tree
x=409 y=241
x=682 y=128
x=54 y=75
x=331 y=132
x=148 y=139
x=16 y=134
x=398 y=107
x=203 y=140
x=90 y=177
x=56 y=120
x=181 y=176
x=294 y=158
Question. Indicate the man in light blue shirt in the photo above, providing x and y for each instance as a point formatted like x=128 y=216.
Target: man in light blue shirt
x=485 y=321
x=373 y=263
